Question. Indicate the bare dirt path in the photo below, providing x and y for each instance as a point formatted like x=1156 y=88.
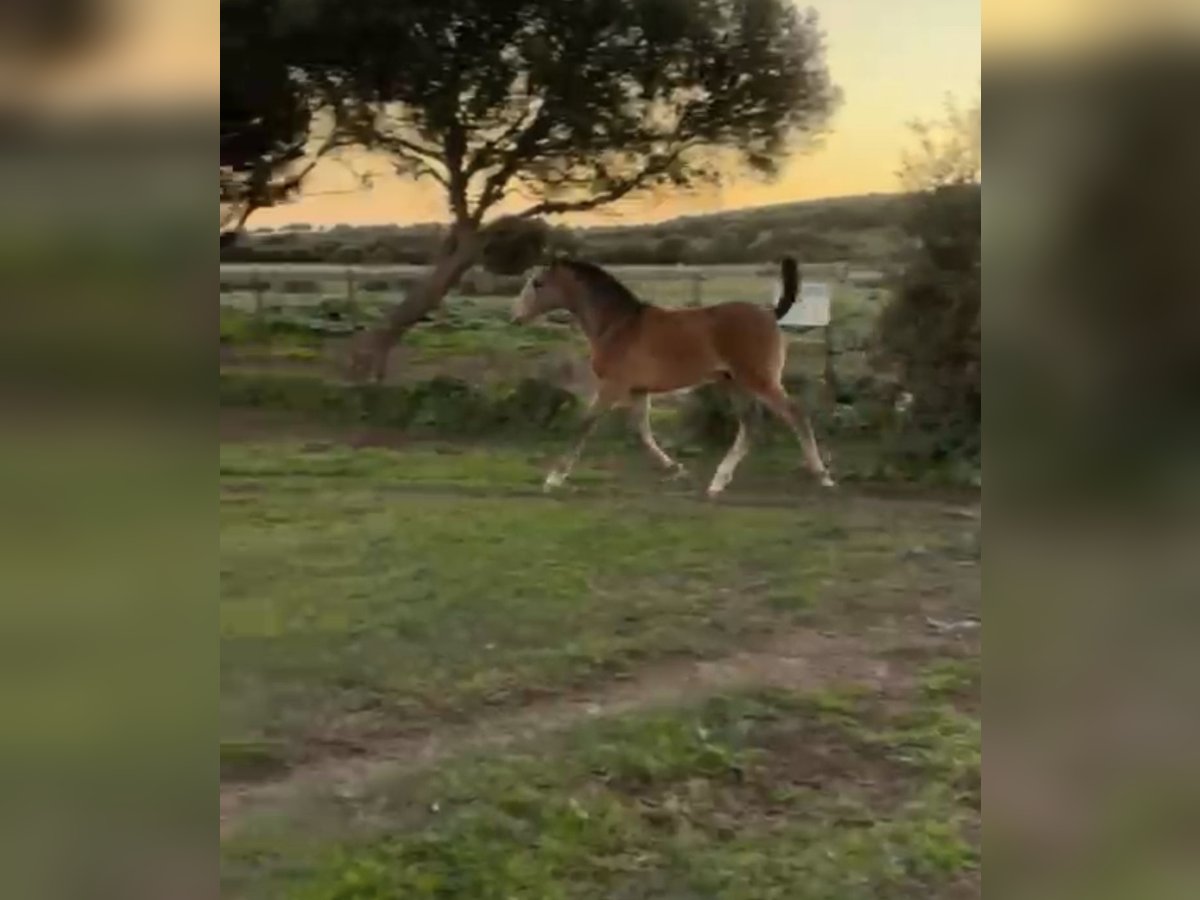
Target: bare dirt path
x=806 y=660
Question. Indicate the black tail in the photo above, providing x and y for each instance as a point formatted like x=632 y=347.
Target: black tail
x=789 y=286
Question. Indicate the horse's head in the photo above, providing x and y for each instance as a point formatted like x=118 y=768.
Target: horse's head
x=546 y=289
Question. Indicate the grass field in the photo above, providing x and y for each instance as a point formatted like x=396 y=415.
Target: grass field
x=437 y=682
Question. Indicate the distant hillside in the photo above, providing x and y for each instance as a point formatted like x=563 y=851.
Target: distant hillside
x=864 y=228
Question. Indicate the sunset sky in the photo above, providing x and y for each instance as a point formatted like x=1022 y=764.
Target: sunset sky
x=894 y=61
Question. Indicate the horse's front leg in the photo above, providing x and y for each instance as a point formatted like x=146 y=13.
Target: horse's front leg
x=601 y=403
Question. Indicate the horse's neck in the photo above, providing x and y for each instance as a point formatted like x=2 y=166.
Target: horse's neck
x=597 y=319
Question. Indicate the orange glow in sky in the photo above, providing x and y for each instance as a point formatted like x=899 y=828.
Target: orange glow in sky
x=894 y=61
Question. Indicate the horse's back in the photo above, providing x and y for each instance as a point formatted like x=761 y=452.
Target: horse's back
x=738 y=316
x=737 y=319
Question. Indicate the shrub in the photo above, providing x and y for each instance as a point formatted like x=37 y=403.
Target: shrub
x=514 y=245
x=932 y=328
x=538 y=403
x=444 y=406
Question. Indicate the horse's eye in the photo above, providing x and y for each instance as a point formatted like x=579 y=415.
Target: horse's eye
x=537 y=282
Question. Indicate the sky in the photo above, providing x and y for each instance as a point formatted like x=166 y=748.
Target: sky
x=895 y=60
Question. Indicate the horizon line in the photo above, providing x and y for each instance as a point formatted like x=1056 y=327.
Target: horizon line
x=680 y=218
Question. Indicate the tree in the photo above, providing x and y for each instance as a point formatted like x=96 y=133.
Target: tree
x=947 y=152
x=551 y=106
x=271 y=107
x=932 y=328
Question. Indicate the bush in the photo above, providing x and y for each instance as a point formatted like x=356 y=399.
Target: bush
x=708 y=416
x=932 y=328
x=443 y=406
x=515 y=245
x=539 y=403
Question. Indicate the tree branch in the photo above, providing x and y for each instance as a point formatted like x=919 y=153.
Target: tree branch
x=261 y=193
x=493 y=188
x=553 y=207
x=423 y=159
x=482 y=158
x=397 y=144
x=622 y=188
x=456 y=146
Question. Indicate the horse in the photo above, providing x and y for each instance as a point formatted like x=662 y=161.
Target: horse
x=639 y=350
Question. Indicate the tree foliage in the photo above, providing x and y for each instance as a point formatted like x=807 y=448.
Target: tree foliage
x=947 y=151
x=573 y=104
x=933 y=327
x=278 y=118
x=515 y=245
x=265 y=113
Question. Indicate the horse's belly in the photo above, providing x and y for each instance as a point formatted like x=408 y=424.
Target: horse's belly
x=666 y=379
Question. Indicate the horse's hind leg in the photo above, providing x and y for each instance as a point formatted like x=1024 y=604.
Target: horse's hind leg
x=737 y=452
x=775 y=398
x=641 y=417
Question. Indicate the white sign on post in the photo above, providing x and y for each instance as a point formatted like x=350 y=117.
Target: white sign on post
x=811 y=309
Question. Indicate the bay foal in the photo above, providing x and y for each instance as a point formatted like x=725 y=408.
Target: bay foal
x=639 y=350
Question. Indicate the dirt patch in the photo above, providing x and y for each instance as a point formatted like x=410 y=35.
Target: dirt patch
x=804 y=661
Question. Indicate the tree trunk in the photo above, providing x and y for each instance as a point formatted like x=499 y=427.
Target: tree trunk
x=369 y=353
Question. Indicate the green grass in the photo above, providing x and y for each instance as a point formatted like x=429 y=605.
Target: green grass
x=365 y=590
x=744 y=797
x=368 y=593
x=473 y=333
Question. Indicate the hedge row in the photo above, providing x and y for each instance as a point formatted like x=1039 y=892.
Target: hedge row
x=453 y=406
x=865 y=438
x=443 y=405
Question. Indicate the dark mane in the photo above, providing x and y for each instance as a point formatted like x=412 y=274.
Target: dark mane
x=604 y=285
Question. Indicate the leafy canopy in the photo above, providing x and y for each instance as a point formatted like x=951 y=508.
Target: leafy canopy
x=278 y=118
x=265 y=110
x=572 y=104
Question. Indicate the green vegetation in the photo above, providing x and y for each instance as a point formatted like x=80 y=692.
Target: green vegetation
x=379 y=587
x=856 y=434
x=746 y=796
x=867 y=229
x=370 y=595
x=933 y=327
x=440 y=406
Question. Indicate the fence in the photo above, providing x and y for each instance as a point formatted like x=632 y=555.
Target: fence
x=670 y=285
x=290 y=293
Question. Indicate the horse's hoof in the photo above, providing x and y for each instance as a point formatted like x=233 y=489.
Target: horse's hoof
x=678 y=473
x=827 y=481
x=553 y=480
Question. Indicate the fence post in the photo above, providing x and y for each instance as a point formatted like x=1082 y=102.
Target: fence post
x=697 y=288
x=350 y=286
